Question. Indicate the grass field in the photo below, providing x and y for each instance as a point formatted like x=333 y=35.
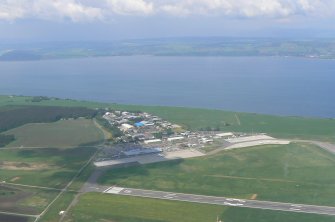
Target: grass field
x=49 y=167
x=25 y=200
x=295 y=173
x=8 y=218
x=52 y=215
x=106 y=207
x=63 y=133
x=285 y=127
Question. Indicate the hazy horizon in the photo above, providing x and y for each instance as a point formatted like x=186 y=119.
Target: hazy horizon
x=106 y=20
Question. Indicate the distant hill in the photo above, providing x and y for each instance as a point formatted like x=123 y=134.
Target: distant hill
x=20 y=55
x=190 y=46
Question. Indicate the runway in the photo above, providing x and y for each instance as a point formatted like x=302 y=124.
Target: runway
x=224 y=201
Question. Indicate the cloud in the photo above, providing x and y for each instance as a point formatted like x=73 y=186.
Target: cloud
x=48 y=10
x=65 y=9
x=11 y=10
x=247 y=8
x=91 y=10
x=131 y=7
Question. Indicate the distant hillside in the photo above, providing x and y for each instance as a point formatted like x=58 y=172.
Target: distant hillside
x=215 y=46
x=20 y=55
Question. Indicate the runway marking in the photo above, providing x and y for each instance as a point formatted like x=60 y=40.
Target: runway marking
x=232 y=204
x=256 y=204
x=169 y=196
x=105 y=191
x=114 y=190
x=238 y=200
x=295 y=209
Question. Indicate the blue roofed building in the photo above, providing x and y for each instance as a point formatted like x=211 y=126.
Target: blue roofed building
x=139 y=124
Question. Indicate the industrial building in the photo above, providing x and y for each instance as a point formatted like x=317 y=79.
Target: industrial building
x=144 y=151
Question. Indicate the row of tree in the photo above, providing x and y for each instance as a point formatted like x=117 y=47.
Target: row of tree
x=116 y=132
x=17 y=116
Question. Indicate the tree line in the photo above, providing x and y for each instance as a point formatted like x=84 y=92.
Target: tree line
x=18 y=116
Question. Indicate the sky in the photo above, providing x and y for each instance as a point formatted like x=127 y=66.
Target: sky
x=103 y=20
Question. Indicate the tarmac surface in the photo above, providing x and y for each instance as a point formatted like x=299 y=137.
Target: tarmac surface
x=302 y=208
x=152 y=158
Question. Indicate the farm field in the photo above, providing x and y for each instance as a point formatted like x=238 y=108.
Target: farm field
x=48 y=167
x=296 y=173
x=24 y=200
x=8 y=218
x=195 y=119
x=63 y=133
x=109 y=207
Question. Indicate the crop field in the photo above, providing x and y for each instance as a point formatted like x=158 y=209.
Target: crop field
x=192 y=118
x=8 y=218
x=107 y=207
x=24 y=200
x=296 y=173
x=63 y=133
x=49 y=167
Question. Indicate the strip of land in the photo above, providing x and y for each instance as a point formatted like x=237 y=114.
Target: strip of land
x=223 y=201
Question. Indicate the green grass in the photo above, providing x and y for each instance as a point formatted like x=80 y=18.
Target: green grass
x=25 y=200
x=52 y=215
x=288 y=173
x=107 y=207
x=255 y=215
x=63 y=133
x=38 y=200
x=283 y=127
x=288 y=127
x=82 y=177
x=50 y=167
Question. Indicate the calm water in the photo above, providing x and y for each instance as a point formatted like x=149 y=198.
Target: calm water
x=285 y=86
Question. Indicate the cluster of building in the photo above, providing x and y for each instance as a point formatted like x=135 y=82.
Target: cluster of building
x=140 y=126
x=144 y=133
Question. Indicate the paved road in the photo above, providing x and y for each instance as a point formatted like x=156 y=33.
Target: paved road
x=223 y=201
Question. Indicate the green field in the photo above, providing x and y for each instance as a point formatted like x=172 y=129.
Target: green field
x=107 y=207
x=49 y=167
x=294 y=173
x=25 y=200
x=298 y=173
x=52 y=215
x=63 y=133
x=191 y=118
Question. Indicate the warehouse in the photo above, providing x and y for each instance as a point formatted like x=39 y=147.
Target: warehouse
x=137 y=152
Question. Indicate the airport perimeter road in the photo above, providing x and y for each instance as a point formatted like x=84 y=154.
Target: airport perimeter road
x=223 y=201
